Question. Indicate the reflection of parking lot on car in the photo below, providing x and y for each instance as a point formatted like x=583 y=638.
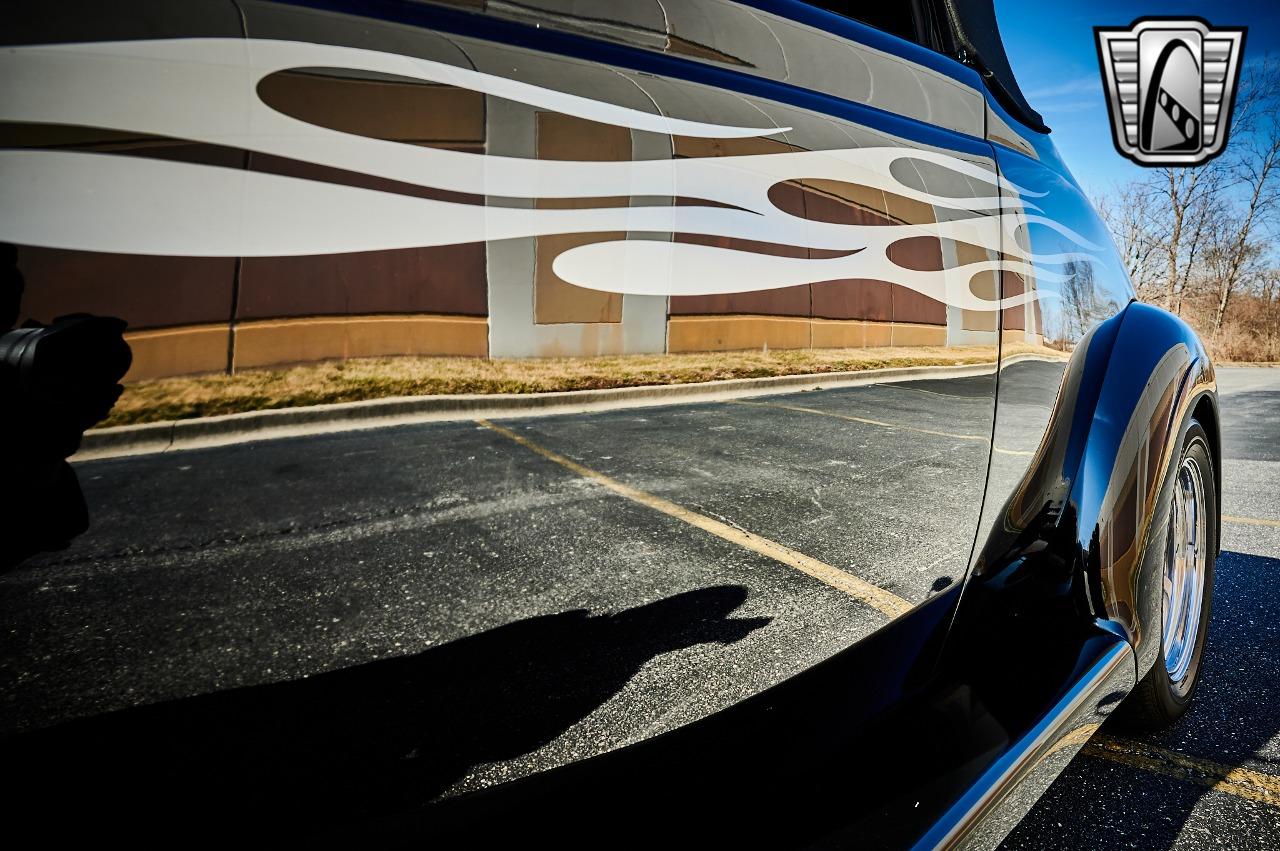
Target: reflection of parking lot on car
x=266 y=562
x=813 y=483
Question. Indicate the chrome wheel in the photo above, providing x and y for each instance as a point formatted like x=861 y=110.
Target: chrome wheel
x=1184 y=573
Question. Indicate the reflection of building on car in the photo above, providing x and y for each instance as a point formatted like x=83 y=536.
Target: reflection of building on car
x=956 y=577
x=200 y=314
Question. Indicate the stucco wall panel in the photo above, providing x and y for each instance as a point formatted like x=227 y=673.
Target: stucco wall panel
x=397 y=110
x=439 y=279
x=270 y=343
x=785 y=301
x=146 y=291
x=178 y=351
x=729 y=333
x=446 y=279
x=743 y=333
x=1013 y=317
x=984 y=284
x=564 y=137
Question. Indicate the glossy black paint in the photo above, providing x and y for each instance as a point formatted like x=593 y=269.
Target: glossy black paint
x=919 y=732
x=872 y=748
x=1156 y=356
x=879 y=744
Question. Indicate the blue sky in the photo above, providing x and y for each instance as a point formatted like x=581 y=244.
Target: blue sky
x=1051 y=49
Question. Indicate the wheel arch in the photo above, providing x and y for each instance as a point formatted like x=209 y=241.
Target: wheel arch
x=1207 y=414
x=1158 y=377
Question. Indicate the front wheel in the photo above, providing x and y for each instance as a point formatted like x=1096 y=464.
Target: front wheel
x=1186 y=587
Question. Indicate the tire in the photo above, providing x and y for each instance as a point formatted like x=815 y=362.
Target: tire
x=1169 y=687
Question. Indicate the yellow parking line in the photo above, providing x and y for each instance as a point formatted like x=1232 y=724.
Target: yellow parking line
x=875 y=597
x=1078 y=737
x=1250 y=521
x=1241 y=782
x=880 y=423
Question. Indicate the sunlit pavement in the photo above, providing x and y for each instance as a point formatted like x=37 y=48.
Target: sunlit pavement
x=1213 y=780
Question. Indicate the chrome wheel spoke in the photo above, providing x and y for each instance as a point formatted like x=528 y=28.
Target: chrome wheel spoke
x=1182 y=587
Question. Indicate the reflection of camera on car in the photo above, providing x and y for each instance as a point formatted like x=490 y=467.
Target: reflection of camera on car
x=56 y=381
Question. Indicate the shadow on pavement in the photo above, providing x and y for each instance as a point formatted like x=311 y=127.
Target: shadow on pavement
x=350 y=743
x=1099 y=804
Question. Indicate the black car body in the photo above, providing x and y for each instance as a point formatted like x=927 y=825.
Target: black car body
x=268 y=182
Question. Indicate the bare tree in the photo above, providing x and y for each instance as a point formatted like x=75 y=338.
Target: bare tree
x=1269 y=287
x=1082 y=308
x=1162 y=223
x=1194 y=240
x=1188 y=197
x=1255 y=169
x=1127 y=212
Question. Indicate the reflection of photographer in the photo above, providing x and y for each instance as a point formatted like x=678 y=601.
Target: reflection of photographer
x=55 y=381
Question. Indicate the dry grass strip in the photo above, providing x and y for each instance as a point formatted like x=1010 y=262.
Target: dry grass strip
x=379 y=378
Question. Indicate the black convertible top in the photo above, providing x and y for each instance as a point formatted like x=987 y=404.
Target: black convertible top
x=974 y=30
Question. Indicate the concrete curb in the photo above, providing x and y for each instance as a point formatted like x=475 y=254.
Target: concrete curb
x=401 y=410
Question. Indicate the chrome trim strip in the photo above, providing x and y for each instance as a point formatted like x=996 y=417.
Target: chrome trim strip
x=958 y=822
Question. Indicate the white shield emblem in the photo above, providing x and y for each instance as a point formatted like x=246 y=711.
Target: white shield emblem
x=1170 y=88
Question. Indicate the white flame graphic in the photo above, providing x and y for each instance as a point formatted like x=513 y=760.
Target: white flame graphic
x=204 y=90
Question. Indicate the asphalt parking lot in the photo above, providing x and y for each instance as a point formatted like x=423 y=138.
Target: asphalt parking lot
x=222 y=591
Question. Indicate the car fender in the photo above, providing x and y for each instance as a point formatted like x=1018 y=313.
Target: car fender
x=1158 y=376
x=1081 y=532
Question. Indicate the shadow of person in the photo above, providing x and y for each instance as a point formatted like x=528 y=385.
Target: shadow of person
x=1235 y=715
x=351 y=743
